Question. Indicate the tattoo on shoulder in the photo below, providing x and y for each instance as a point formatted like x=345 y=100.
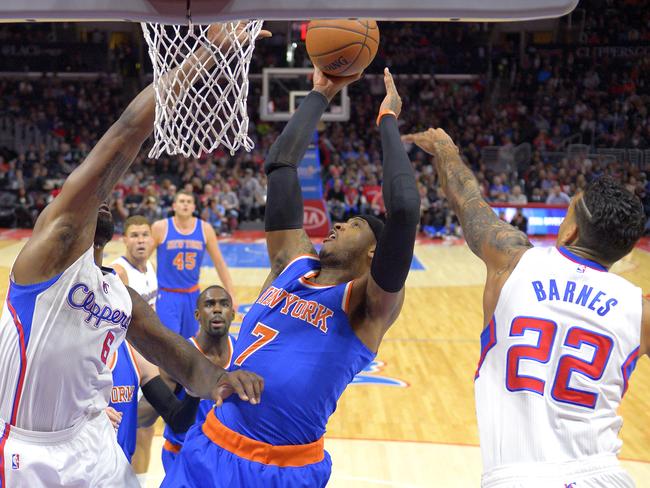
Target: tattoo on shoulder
x=306 y=247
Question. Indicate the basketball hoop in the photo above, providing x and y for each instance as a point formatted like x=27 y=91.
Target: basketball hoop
x=201 y=85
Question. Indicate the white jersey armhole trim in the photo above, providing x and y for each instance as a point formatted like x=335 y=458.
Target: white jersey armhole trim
x=505 y=292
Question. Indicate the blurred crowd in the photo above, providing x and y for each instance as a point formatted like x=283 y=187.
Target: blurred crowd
x=553 y=94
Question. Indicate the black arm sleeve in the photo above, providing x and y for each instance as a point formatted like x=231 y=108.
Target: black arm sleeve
x=284 y=209
x=179 y=415
x=394 y=251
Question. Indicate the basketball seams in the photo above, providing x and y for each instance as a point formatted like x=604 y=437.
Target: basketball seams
x=350 y=33
x=367 y=24
x=340 y=48
x=359 y=53
x=340 y=28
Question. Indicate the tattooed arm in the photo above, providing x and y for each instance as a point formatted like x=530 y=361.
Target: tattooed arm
x=497 y=243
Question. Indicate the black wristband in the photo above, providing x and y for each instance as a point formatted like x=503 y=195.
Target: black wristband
x=179 y=415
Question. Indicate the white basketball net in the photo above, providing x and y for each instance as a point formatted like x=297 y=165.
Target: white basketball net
x=203 y=103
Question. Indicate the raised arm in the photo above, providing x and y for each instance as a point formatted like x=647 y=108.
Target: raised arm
x=497 y=243
x=66 y=228
x=377 y=299
x=283 y=220
x=212 y=246
x=184 y=362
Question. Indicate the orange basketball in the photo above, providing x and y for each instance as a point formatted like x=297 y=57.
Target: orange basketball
x=342 y=47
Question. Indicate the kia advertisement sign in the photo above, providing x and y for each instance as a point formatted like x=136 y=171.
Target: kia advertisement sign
x=317 y=221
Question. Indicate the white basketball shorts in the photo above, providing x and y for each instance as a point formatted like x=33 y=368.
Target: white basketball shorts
x=85 y=455
x=592 y=472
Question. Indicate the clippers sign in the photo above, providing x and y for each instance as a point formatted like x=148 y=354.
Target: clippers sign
x=316 y=217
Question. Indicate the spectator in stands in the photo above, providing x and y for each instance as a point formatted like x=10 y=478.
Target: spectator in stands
x=214 y=214
x=230 y=203
x=118 y=210
x=426 y=216
x=499 y=190
x=377 y=206
x=134 y=199
x=249 y=196
x=25 y=210
x=149 y=208
x=517 y=197
x=207 y=195
x=368 y=192
x=557 y=197
x=336 y=201
x=520 y=221
x=546 y=96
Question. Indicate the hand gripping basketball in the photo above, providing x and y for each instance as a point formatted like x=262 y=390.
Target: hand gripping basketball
x=329 y=86
x=247 y=385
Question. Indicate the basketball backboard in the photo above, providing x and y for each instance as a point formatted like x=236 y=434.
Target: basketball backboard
x=284 y=88
x=206 y=11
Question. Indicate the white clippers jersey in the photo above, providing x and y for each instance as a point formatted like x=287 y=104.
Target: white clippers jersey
x=555 y=361
x=55 y=339
x=146 y=284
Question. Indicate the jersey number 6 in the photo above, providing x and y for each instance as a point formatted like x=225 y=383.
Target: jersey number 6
x=106 y=347
x=567 y=365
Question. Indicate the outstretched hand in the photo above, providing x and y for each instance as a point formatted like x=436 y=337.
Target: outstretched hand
x=248 y=386
x=431 y=141
x=329 y=86
x=392 y=100
x=218 y=33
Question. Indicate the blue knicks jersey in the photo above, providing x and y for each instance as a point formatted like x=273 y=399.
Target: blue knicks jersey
x=298 y=338
x=179 y=257
x=204 y=405
x=124 y=396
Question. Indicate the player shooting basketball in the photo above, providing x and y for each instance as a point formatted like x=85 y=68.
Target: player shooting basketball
x=319 y=320
x=562 y=334
x=64 y=318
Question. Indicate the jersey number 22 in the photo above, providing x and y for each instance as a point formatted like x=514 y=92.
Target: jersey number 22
x=568 y=364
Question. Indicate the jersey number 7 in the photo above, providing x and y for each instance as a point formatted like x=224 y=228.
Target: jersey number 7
x=264 y=334
x=567 y=364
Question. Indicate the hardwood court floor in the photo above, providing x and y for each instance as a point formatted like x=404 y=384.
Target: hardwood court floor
x=425 y=434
